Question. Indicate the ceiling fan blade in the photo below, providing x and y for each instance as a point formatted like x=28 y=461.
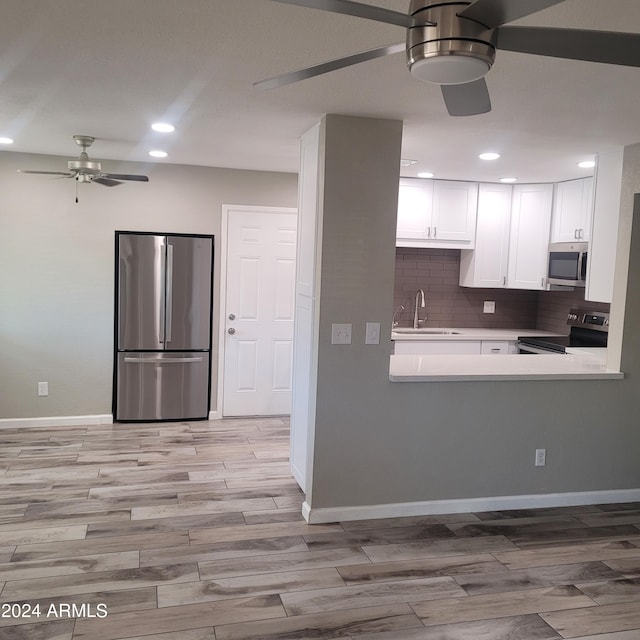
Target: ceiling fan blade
x=66 y=174
x=357 y=9
x=332 y=65
x=494 y=13
x=123 y=176
x=469 y=99
x=106 y=182
x=575 y=44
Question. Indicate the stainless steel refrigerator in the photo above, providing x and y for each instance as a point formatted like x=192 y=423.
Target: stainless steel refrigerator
x=163 y=326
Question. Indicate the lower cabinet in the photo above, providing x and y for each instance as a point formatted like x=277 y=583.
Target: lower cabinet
x=498 y=347
x=453 y=347
x=436 y=347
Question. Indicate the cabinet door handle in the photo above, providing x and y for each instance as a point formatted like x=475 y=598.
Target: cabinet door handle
x=428 y=232
x=496 y=350
x=576 y=234
x=504 y=281
x=542 y=282
x=435 y=231
x=581 y=233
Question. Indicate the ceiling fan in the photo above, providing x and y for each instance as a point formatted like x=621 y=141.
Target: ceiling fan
x=85 y=170
x=454 y=44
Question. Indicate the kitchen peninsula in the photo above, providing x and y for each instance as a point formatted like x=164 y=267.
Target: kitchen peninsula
x=451 y=368
x=456 y=354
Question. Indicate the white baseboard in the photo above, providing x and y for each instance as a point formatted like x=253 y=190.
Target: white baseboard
x=466 y=505
x=215 y=415
x=55 y=421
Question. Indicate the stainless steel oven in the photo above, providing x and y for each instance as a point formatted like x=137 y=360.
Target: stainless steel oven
x=568 y=263
x=588 y=329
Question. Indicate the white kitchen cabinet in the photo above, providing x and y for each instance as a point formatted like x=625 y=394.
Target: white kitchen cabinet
x=436 y=213
x=529 y=236
x=436 y=347
x=487 y=264
x=572 y=211
x=603 y=248
x=498 y=347
x=415 y=205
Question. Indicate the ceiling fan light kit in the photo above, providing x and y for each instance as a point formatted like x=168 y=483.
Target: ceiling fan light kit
x=445 y=48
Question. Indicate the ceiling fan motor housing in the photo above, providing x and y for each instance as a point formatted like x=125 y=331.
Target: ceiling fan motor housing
x=444 y=48
x=84 y=164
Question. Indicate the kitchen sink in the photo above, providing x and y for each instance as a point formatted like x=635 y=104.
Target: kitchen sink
x=423 y=331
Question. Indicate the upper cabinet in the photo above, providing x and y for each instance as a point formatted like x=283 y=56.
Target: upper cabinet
x=436 y=213
x=415 y=207
x=603 y=248
x=572 y=211
x=529 y=236
x=486 y=265
x=512 y=238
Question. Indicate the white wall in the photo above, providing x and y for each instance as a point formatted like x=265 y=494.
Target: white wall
x=57 y=268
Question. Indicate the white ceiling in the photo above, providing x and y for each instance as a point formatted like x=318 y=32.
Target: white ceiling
x=110 y=69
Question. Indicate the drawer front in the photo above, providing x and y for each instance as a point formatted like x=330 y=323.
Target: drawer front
x=436 y=347
x=496 y=347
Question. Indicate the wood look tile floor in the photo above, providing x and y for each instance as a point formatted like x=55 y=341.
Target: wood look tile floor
x=193 y=531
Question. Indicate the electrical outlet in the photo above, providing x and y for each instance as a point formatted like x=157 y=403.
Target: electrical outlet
x=341 y=334
x=489 y=306
x=541 y=457
x=372 y=335
x=43 y=388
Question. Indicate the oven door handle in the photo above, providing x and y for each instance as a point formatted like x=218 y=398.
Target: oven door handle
x=527 y=348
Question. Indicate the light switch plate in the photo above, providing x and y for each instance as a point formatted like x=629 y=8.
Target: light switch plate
x=341 y=333
x=489 y=306
x=372 y=335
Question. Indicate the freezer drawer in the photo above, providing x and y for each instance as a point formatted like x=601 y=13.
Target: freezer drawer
x=162 y=386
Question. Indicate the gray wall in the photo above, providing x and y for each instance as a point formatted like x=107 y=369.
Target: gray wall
x=379 y=442
x=57 y=268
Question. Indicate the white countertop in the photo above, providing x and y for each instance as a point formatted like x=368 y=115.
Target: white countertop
x=470 y=334
x=597 y=352
x=444 y=368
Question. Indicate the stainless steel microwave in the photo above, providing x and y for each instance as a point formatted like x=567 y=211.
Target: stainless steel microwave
x=568 y=263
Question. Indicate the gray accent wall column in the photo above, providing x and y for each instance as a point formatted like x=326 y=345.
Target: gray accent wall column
x=348 y=203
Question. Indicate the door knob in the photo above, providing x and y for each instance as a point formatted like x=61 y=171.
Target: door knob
x=231 y=330
x=232 y=316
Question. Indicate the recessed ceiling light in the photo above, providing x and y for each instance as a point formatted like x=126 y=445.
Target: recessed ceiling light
x=163 y=127
x=407 y=163
x=489 y=156
x=158 y=154
x=6 y=141
x=425 y=174
x=508 y=179
x=587 y=164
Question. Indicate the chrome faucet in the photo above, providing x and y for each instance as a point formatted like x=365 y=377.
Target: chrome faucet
x=419 y=300
x=394 y=322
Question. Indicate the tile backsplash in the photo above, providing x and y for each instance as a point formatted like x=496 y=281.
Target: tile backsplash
x=436 y=271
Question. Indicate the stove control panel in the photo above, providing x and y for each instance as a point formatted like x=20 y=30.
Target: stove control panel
x=589 y=319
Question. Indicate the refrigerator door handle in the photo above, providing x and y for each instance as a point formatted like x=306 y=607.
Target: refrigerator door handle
x=163 y=294
x=169 y=293
x=161 y=360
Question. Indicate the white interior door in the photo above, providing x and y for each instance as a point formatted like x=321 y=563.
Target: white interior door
x=259 y=307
